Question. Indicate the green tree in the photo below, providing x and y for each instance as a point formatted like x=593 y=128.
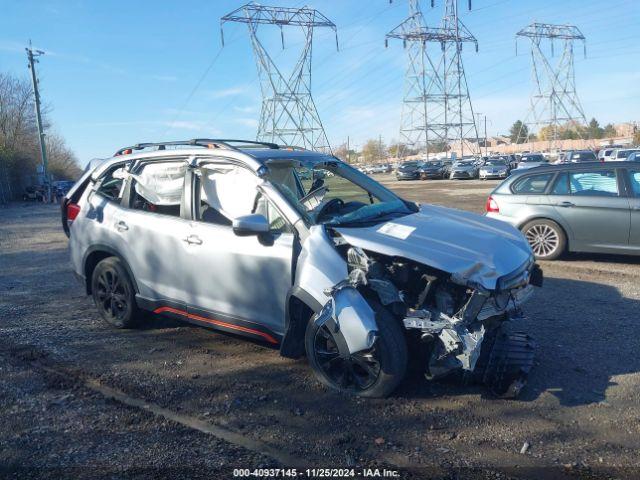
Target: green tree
x=519 y=132
x=373 y=150
x=609 y=131
x=594 y=130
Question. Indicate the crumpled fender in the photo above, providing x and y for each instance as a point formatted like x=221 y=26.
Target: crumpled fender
x=348 y=314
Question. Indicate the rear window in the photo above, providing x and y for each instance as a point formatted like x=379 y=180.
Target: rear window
x=601 y=183
x=110 y=186
x=624 y=153
x=532 y=158
x=532 y=184
x=583 y=156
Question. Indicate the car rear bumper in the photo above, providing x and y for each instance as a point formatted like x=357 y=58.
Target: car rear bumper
x=503 y=218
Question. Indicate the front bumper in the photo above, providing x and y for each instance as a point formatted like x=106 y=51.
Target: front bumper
x=407 y=176
x=462 y=174
x=431 y=174
x=502 y=174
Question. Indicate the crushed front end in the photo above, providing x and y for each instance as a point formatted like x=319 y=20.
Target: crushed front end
x=455 y=326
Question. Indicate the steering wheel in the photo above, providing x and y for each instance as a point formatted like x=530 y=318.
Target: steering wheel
x=331 y=206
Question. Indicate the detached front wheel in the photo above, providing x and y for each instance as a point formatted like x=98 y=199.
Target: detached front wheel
x=375 y=372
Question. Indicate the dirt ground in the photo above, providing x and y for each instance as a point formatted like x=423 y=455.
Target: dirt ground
x=78 y=399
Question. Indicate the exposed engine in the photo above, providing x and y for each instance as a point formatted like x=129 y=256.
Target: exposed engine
x=459 y=328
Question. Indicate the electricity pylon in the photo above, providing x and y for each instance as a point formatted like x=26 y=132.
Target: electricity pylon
x=436 y=109
x=554 y=100
x=288 y=114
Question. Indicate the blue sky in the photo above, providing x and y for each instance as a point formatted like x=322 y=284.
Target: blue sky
x=122 y=72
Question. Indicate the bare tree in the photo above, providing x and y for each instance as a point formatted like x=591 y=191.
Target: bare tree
x=19 y=149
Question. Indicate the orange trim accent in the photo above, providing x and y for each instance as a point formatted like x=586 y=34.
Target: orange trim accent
x=220 y=323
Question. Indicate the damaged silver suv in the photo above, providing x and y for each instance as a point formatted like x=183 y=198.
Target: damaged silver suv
x=300 y=250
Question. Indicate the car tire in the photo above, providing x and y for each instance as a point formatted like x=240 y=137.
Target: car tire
x=546 y=238
x=388 y=358
x=114 y=294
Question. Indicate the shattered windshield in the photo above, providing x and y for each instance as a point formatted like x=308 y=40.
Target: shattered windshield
x=333 y=193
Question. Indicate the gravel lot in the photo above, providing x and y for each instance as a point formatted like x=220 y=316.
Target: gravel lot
x=78 y=399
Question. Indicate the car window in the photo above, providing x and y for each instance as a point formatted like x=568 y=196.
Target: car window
x=158 y=187
x=583 y=156
x=226 y=192
x=111 y=187
x=600 y=183
x=635 y=182
x=277 y=222
x=532 y=184
x=561 y=185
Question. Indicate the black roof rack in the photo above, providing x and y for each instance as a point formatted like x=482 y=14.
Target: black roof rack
x=200 y=142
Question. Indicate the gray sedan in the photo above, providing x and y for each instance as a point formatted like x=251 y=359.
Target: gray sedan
x=588 y=207
x=464 y=169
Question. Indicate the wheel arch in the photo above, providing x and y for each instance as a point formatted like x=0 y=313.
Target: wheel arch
x=97 y=253
x=299 y=307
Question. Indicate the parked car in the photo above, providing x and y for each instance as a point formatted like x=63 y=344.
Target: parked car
x=577 y=207
x=408 y=170
x=61 y=187
x=621 y=154
x=464 y=169
x=577 y=156
x=432 y=169
x=531 y=160
x=34 y=193
x=232 y=239
x=605 y=153
x=494 y=168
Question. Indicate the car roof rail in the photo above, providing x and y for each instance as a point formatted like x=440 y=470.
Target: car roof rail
x=200 y=142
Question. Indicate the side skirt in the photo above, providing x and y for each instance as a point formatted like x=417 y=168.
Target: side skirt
x=208 y=319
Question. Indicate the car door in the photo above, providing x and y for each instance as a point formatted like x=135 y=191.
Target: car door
x=591 y=204
x=634 y=201
x=238 y=278
x=151 y=233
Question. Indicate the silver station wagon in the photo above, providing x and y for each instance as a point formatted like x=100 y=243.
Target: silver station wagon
x=579 y=207
x=301 y=251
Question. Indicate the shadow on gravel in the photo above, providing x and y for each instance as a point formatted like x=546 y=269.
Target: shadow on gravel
x=601 y=257
x=585 y=334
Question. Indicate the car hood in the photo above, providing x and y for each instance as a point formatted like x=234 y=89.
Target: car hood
x=474 y=249
x=493 y=167
x=464 y=167
x=524 y=165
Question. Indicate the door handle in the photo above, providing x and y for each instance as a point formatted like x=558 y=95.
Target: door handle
x=193 y=240
x=122 y=226
x=566 y=204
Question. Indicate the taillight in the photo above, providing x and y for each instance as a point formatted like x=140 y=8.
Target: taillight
x=73 y=209
x=492 y=205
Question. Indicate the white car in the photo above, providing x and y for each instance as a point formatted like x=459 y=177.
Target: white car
x=604 y=155
x=621 y=154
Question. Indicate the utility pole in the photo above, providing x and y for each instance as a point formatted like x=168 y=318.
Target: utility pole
x=486 y=154
x=33 y=59
x=348 y=151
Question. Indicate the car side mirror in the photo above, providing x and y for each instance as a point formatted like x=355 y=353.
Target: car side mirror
x=247 y=225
